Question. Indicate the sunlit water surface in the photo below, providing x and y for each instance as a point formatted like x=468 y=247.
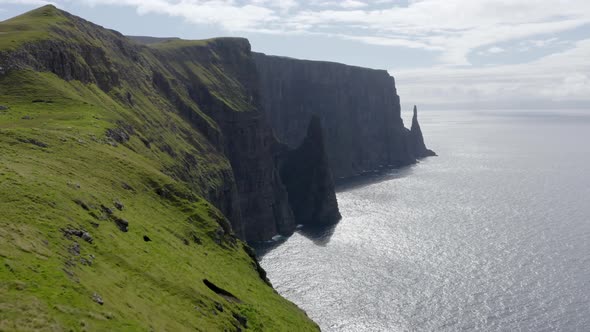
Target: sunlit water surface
x=492 y=235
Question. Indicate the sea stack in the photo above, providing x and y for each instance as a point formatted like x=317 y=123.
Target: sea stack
x=417 y=140
x=308 y=179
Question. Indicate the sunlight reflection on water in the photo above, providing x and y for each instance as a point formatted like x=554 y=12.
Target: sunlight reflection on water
x=492 y=235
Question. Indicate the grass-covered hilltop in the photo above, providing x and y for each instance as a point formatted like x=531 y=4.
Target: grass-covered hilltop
x=128 y=176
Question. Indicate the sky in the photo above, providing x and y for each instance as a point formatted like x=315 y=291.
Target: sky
x=444 y=54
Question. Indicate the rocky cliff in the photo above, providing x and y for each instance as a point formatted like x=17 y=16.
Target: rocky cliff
x=308 y=179
x=123 y=169
x=417 y=139
x=231 y=101
x=358 y=107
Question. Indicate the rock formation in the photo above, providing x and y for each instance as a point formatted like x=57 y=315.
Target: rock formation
x=307 y=177
x=359 y=109
x=417 y=140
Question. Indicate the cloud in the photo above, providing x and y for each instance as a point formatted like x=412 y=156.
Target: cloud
x=496 y=50
x=458 y=26
x=454 y=28
x=352 y=4
x=559 y=77
x=225 y=13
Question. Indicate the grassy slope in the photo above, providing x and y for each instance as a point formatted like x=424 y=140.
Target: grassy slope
x=211 y=69
x=54 y=155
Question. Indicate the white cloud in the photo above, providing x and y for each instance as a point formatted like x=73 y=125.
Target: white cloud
x=496 y=50
x=224 y=13
x=559 y=77
x=352 y=4
x=459 y=26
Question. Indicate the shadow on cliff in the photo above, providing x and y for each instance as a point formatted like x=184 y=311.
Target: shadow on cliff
x=373 y=177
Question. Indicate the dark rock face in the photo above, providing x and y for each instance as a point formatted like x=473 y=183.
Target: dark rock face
x=263 y=200
x=79 y=233
x=417 y=140
x=246 y=139
x=358 y=107
x=307 y=177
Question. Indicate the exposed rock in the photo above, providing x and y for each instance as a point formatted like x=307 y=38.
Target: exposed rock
x=306 y=175
x=241 y=319
x=86 y=237
x=146 y=238
x=219 y=306
x=34 y=142
x=261 y=272
x=122 y=224
x=126 y=186
x=97 y=298
x=256 y=204
x=4 y=108
x=106 y=209
x=87 y=261
x=197 y=240
x=359 y=109
x=74 y=249
x=82 y=204
x=74 y=185
x=118 y=205
x=26 y=117
x=79 y=233
x=417 y=140
x=218 y=235
x=120 y=134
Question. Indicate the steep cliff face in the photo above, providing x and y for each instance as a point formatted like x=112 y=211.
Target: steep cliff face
x=359 y=109
x=231 y=100
x=417 y=139
x=307 y=176
x=122 y=167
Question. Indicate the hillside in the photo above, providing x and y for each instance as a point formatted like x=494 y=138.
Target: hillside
x=119 y=179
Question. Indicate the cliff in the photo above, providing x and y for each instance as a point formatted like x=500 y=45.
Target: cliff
x=129 y=175
x=358 y=107
x=306 y=174
x=231 y=101
x=417 y=139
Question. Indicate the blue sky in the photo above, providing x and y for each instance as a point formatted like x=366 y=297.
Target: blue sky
x=443 y=54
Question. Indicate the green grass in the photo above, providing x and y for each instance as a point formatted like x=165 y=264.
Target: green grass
x=211 y=68
x=28 y=27
x=57 y=167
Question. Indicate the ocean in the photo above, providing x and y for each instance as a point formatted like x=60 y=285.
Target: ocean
x=492 y=235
